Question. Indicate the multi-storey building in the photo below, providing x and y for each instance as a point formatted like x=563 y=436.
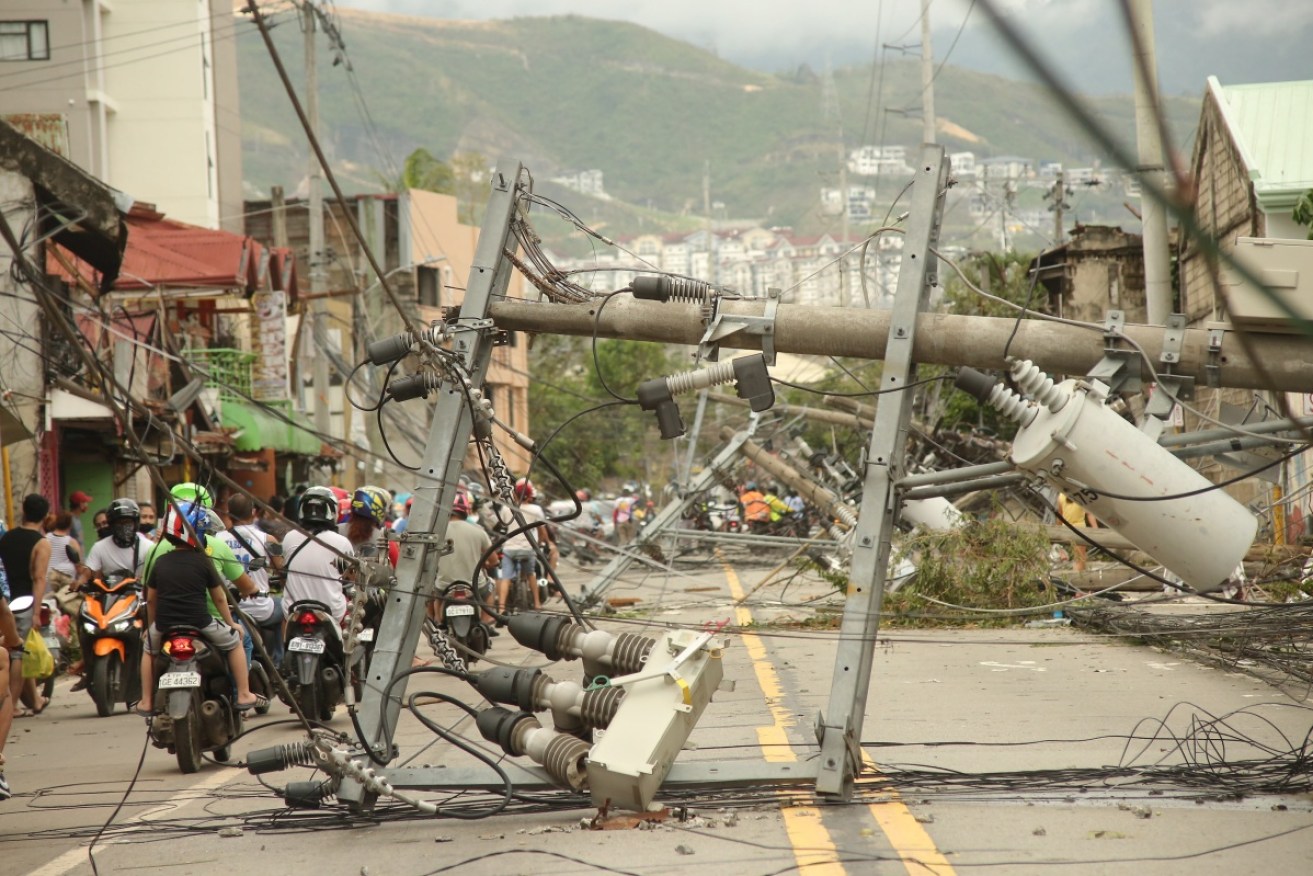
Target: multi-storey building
x=147 y=89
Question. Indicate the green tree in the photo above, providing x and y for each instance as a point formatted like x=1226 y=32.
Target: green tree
x=1007 y=276
x=422 y=171
x=619 y=442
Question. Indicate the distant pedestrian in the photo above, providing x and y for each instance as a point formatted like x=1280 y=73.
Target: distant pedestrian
x=1074 y=515
x=272 y=524
x=78 y=504
x=25 y=554
x=65 y=554
x=149 y=520
x=100 y=520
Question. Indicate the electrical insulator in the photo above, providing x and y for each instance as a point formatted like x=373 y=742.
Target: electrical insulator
x=519 y=734
x=389 y=350
x=665 y=288
x=561 y=639
x=572 y=706
x=752 y=382
x=413 y=386
x=1083 y=448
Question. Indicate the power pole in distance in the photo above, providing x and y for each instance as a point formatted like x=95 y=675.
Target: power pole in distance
x=318 y=303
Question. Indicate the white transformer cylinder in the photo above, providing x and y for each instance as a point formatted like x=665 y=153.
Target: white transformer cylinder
x=1201 y=538
x=936 y=514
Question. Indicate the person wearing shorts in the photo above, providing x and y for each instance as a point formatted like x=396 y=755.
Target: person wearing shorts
x=176 y=587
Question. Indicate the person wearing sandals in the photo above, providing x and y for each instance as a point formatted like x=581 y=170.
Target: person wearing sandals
x=176 y=586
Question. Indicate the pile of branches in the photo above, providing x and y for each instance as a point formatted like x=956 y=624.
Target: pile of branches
x=1256 y=640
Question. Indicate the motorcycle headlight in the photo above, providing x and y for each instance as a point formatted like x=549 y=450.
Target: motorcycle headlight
x=89 y=627
x=121 y=625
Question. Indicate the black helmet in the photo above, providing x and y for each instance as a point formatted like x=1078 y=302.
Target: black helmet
x=123 y=515
x=318 y=508
x=121 y=509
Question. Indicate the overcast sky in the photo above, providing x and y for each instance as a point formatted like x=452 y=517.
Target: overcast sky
x=1237 y=40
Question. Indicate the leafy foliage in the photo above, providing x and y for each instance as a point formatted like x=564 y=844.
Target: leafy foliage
x=982 y=564
x=619 y=442
x=1303 y=212
x=1006 y=276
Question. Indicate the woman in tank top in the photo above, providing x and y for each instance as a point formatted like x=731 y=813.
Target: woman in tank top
x=65 y=553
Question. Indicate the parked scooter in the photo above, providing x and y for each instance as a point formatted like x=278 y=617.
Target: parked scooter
x=196 y=710
x=109 y=631
x=313 y=659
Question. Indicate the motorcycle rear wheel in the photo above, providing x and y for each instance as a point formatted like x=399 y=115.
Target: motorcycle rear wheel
x=308 y=699
x=187 y=740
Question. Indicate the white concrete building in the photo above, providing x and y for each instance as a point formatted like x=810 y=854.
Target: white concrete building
x=149 y=92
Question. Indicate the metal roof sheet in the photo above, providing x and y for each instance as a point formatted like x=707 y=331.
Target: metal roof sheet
x=1273 y=124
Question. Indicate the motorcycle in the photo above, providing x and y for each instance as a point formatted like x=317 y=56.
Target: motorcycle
x=462 y=621
x=109 y=631
x=195 y=708
x=313 y=659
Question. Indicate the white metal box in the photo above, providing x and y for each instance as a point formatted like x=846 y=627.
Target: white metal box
x=1286 y=268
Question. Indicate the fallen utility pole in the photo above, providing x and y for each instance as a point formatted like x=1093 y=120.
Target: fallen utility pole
x=814 y=493
x=835 y=418
x=1213 y=357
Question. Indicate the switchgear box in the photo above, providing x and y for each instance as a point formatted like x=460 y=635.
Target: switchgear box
x=1285 y=267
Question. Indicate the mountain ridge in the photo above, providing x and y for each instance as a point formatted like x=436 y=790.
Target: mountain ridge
x=568 y=93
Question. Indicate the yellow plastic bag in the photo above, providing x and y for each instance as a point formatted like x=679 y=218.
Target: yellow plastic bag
x=37 y=662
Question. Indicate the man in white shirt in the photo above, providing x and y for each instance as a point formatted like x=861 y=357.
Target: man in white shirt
x=313 y=562
x=250 y=545
x=124 y=550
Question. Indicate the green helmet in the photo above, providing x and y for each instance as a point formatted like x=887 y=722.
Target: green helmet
x=192 y=492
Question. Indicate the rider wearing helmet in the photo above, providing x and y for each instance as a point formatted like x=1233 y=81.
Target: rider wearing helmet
x=313 y=561
x=369 y=515
x=189 y=491
x=518 y=550
x=469 y=544
x=177 y=583
x=125 y=549
x=755 y=508
x=225 y=562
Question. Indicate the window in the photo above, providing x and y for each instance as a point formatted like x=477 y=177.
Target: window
x=430 y=286
x=24 y=41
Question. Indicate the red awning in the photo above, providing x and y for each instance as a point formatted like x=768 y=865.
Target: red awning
x=162 y=253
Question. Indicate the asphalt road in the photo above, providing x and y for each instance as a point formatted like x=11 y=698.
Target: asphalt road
x=999 y=751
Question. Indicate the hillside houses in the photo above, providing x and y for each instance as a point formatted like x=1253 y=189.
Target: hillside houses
x=751 y=260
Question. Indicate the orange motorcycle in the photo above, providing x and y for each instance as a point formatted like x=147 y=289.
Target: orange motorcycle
x=109 y=630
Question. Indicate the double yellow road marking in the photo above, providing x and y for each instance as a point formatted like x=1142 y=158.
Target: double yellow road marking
x=813 y=847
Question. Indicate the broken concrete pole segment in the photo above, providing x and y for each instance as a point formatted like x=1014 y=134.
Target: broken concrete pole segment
x=1071 y=439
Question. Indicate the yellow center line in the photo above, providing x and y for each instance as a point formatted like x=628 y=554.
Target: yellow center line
x=909 y=839
x=813 y=848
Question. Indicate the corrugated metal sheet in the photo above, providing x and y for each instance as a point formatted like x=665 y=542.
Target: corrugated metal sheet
x=1274 y=122
x=48 y=129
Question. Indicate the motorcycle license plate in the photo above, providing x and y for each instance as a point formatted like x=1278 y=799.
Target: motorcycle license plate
x=175 y=680
x=306 y=646
x=366 y=635
x=459 y=610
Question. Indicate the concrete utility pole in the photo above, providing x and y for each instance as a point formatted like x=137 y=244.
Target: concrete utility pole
x=927 y=77
x=1149 y=147
x=1059 y=207
x=1285 y=361
x=830 y=504
x=318 y=303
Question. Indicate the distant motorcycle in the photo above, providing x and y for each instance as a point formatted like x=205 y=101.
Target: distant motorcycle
x=314 y=663
x=109 y=630
x=196 y=709
x=462 y=621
